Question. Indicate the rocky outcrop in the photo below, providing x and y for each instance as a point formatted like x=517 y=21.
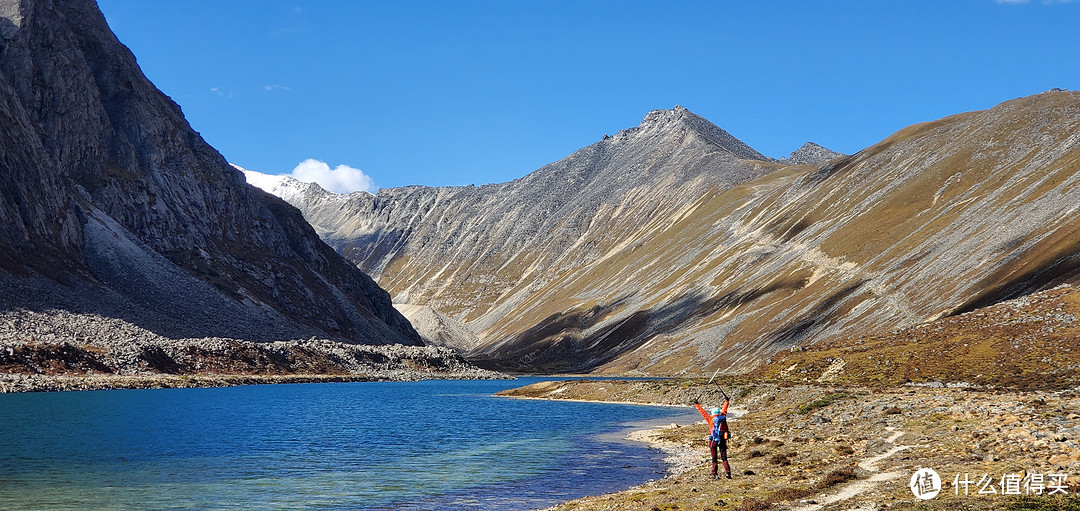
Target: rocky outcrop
x=663 y=250
x=52 y=344
x=111 y=205
x=811 y=154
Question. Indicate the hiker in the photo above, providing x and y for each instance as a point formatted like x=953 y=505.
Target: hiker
x=718 y=434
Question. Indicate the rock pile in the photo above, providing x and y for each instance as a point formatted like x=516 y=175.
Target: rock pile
x=60 y=350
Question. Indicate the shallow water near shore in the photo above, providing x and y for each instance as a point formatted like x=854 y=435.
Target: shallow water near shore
x=417 y=445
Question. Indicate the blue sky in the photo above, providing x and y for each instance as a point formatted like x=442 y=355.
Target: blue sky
x=471 y=92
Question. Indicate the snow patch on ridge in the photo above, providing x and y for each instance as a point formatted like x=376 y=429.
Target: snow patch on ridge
x=292 y=186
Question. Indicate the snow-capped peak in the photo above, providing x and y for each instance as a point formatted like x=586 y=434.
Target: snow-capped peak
x=286 y=187
x=292 y=189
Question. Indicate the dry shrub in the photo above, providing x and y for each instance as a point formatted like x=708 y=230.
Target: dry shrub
x=822 y=402
x=836 y=477
x=790 y=494
x=756 y=454
x=780 y=459
x=892 y=411
x=752 y=504
x=844 y=449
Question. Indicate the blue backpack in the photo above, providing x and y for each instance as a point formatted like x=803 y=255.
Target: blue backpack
x=716 y=435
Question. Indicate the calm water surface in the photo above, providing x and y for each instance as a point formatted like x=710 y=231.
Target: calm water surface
x=424 y=445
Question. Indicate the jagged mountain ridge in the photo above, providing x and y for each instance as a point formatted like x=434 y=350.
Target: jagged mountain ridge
x=111 y=205
x=939 y=218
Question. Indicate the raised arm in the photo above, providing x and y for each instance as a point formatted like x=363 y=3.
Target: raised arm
x=723 y=410
x=704 y=413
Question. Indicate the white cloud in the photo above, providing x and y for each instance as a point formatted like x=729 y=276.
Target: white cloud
x=221 y=93
x=340 y=179
x=276 y=87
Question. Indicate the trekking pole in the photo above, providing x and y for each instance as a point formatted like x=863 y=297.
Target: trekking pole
x=718 y=385
x=702 y=393
x=713 y=376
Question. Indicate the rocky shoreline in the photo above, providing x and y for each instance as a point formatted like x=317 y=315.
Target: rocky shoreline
x=64 y=351
x=825 y=447
x=10 y=383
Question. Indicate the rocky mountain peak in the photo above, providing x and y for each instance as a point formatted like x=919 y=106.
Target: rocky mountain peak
x=664 y=117
x=680 y=118
x=285 y=187
x=811 y=154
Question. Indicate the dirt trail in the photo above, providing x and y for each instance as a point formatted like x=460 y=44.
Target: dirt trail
x=855 y=488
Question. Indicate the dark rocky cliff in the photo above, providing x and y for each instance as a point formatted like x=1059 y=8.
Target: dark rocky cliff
x=111 y=204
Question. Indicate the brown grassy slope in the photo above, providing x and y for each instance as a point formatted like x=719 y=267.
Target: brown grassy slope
x=1028 y=343
x=939 y=218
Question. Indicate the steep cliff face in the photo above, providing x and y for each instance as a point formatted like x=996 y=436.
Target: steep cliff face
x=111 y=204
x=664 y=251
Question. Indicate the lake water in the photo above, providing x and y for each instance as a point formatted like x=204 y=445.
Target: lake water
x=423 y=445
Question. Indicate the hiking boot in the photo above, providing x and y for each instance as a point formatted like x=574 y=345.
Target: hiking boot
x=729 y=475
x=714 y=476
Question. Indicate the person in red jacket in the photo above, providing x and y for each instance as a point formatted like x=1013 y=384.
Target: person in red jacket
x=718 y=434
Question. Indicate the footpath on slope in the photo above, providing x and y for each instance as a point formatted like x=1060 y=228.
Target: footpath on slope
x=812 y=447
x=861 y=486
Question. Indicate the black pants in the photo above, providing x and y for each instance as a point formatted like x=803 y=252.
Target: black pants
x=720 y=446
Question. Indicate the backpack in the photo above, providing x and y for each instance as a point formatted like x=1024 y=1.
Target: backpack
x=716 y=435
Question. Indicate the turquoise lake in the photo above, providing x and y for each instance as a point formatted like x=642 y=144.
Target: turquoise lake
x=422 y=445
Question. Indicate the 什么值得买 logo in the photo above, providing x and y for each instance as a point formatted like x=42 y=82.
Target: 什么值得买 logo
x=925 y=483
